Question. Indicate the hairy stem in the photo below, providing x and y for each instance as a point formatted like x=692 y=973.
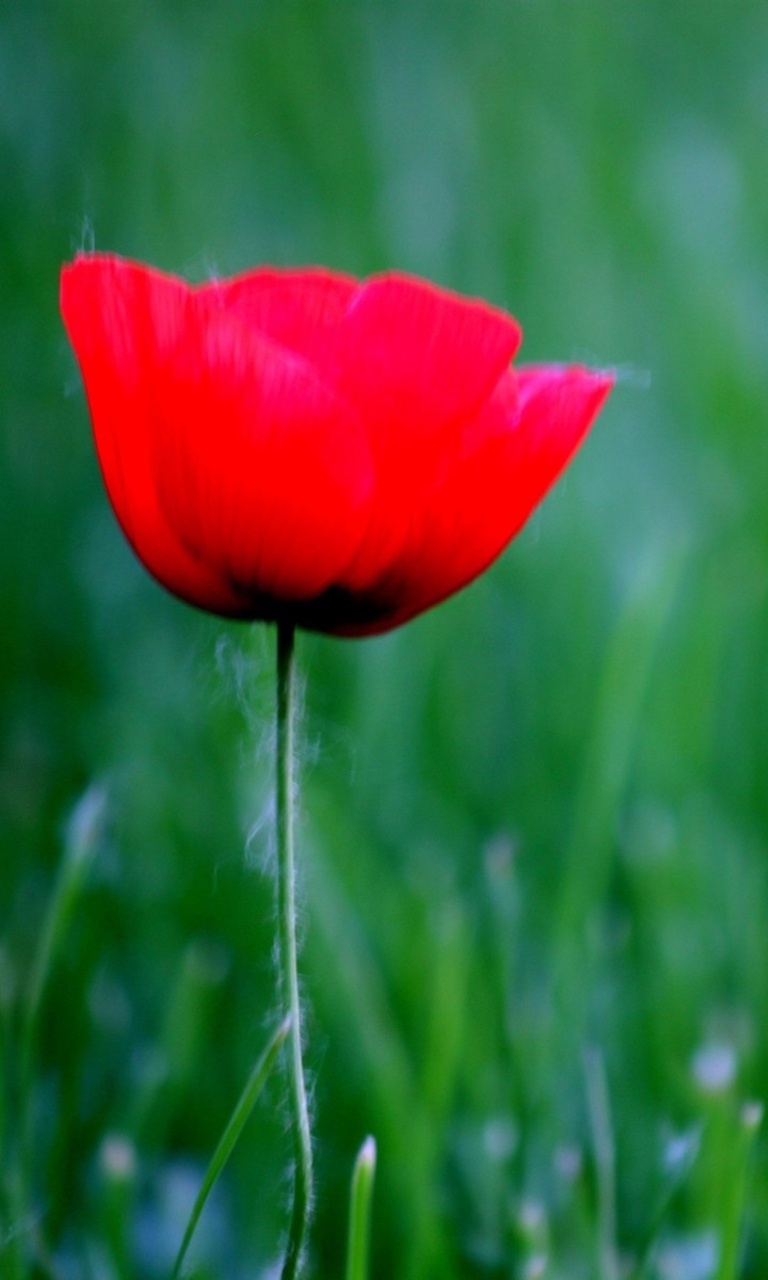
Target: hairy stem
x=289 y=981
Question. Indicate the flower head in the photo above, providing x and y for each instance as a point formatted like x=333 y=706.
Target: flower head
x=299 y=445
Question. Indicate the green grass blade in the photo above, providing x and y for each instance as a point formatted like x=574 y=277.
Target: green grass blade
x=170 y=1070
x=606 y=768
x=232 y=1132
x=356 y=994
x=83 y=835
x=679 y=1175
x=604 y=1152
x=735 y=1192
x=82 y=840
x=360 y=1211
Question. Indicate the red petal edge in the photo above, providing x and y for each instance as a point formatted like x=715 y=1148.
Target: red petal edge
x=515 y=454
x=121 y=318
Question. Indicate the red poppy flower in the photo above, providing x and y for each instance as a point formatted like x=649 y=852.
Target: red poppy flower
x=300 y=445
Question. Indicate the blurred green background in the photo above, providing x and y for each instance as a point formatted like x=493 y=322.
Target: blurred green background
x=535 y=886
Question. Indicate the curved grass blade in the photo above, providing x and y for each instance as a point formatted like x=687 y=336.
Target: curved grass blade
x=232 y=1132
x=83 y=836
x=734 y=1201
x=360 y=1211
x=604 y=1149
x=679 y=1175
x=609 y=751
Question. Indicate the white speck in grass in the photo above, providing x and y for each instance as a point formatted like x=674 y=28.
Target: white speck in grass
x=535 y=1267
x=568 y=1163
x=680 y=1149
x=500 y=1139
x=117 y=1157
x=714 y=1066
x=367 y=1156
x=85 y=824
x=751 y=1115
x=499 y=855
x=692 y=1257
x=531 y=1216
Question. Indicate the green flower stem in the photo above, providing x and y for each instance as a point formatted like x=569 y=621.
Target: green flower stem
x=289 y=981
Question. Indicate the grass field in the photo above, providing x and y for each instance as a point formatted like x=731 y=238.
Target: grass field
x=535 y=821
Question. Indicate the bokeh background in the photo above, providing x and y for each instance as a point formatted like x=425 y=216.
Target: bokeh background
x=535 y=884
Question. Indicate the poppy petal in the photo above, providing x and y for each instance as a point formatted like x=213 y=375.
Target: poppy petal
x=264 y=473
x=292 y=444
x=293 y=308
x=512 y=456
x=413 y=358
x=123 y=320
x=417 y=363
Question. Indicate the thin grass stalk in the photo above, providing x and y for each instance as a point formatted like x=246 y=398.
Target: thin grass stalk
x=360 y=1211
